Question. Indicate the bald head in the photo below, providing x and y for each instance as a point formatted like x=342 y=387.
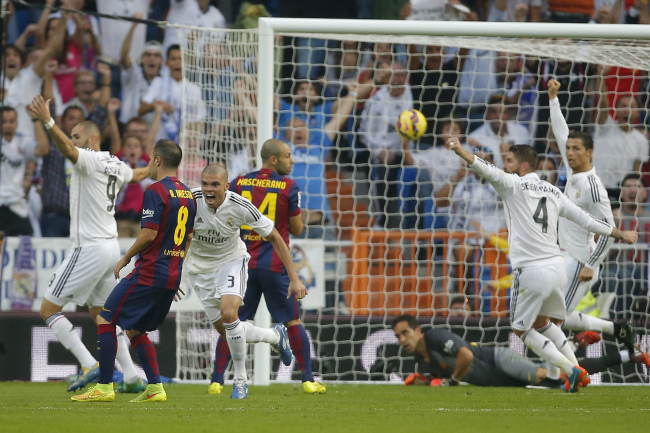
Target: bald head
x=90 y=128
x=272 y=147
x=86 y=134
x=216 y=169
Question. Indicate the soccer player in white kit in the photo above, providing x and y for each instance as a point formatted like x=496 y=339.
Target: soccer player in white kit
x=86 y=274
x=583 y=256
x=217 y=268
x=533 y=207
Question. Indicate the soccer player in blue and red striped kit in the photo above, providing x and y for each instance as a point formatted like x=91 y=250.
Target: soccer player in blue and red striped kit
x=277 y=197
x=140 y=302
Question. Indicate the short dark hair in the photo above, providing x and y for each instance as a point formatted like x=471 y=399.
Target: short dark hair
x=20 y=52
x=7 y=108
x=172 y=48
x=587 y=140
x=458 y=299
x=525 y=153
x=411 y=321
x=90 y=128
x=169 y=152
x=635 y=176
x=69 y=109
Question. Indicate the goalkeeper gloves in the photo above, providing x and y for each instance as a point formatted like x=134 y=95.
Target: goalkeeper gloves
x=422 y=379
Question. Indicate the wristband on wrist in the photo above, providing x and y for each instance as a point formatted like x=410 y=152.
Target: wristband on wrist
x=48 y=125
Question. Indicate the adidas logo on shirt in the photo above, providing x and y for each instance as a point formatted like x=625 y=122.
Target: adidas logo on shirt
x=199 y=220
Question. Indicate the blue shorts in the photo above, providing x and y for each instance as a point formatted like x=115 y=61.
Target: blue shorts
x=133 y=306
x=274 y=286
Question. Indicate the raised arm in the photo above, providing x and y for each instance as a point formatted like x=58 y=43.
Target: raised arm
x=125 y=60
x=505 y=184
x=345 y=107
x=558 y=124
x=40 y=108
x=111 y=125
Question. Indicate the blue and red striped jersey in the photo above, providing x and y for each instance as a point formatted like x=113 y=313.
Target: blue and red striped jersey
x=277 y=197
x=169 y=208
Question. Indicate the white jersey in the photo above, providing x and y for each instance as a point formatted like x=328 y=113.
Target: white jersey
x=216 y=238
x=96 y=179
x=14 y=155
x=586 y=191
x=532 y=208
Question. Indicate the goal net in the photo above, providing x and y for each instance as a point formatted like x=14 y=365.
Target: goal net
x=400 y=226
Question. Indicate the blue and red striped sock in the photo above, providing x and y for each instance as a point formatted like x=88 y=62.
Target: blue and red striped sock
x=106 y=352
x=221 y=360
x=299 y=342
x=147 y=355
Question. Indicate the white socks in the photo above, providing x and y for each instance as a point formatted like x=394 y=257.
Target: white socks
x=546 y=350
x=64 y=331
x=555 y=334
x=256 y=335
x=583 y=322
x=124 y=357
x=236 y=338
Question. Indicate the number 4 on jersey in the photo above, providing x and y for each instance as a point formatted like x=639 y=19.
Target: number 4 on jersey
x=267 y=207
x=541 y=215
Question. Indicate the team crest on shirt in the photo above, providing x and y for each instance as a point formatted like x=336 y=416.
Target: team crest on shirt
x=578 y=193
x=230 y=222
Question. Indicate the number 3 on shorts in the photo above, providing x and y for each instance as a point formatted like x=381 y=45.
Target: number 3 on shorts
x=179 y=233
x=231 y=281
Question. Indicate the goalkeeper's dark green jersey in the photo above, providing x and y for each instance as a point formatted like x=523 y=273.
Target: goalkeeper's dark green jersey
x=443 y=346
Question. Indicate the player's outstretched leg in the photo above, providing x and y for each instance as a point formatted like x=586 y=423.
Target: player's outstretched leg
x=132 y=383
x=147 y=356
x=576 y=321
x=301 y=349
x=66 y=334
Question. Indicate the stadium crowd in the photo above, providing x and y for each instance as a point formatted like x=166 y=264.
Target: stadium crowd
x=336 y=107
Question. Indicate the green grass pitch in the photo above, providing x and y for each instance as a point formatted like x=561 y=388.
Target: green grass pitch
x=46 y=407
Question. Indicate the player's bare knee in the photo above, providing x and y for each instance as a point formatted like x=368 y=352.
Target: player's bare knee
x=100 y=320
x=131 y=333
x=229 y=315
x=48 y=309
x=517 y=332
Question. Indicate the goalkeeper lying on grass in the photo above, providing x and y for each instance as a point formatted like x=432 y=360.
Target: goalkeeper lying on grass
x=446 y=359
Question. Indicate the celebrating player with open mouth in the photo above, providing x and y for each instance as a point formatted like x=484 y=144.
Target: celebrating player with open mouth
x=217 y=268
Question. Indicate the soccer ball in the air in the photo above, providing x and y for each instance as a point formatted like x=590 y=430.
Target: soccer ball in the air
x=411 y=124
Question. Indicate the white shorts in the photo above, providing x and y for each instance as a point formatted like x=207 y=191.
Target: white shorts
x=86 y=275
x=230 y=279
x=537 y=291
x=574 y=290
